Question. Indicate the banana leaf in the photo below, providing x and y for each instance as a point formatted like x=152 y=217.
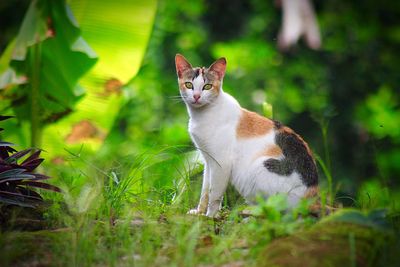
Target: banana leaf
x=110 y=35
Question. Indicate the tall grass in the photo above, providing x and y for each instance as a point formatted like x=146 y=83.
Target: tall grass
x=133 y=213
x=122 y=216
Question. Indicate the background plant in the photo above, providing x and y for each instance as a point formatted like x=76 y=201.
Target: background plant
x=18 y=180
x=41 y=67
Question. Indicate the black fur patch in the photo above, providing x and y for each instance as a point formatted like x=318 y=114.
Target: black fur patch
x=277 y=124
x=281 y=167
x=196 y=73
x=296 y=158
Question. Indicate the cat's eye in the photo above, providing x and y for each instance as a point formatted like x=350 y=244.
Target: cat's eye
x=207 y=87
x=188 y=85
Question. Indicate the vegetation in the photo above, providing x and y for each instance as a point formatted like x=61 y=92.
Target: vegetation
x=17 y=179
x=93 y=84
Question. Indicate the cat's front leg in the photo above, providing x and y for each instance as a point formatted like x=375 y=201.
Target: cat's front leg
x=203 y=203
x=219 y=178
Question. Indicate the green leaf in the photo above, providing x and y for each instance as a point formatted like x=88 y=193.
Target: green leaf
x=49 y=50
x=33 y=30
x=380 y=113
x=374 y=218
x=118 y=31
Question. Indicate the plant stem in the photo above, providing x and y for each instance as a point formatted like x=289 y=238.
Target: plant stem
x=35 y=109
x=326 y=148
x=328 y=177
x=327 y=166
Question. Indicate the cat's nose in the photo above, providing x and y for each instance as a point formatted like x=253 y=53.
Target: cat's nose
x=196 y=98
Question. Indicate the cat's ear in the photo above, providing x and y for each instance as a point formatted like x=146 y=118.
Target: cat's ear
x=219 y=67
x=181 y=65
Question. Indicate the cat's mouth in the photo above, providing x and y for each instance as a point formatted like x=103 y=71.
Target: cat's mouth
x=197 y=103
x=194 y=103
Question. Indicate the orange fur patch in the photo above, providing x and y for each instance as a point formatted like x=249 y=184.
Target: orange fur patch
x=252 y=125
x=311 y=192
x=216 y=85
x=273 y=151
x=316 y=208
x=182 y=86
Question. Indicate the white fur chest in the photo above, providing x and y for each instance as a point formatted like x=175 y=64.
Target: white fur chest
x=213 y=129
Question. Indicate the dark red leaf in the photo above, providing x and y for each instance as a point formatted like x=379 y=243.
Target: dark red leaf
x=33 y=156
x=17 y=202
x=39 y=176
x=27 y=191
x=6 y=193
x=5 y=150
x=41 y=185
x=4 y=167
x=18 y=178
x=13 y=173
x=31 y=165
x=2 y=118
x=3 y=143
x=20 y=154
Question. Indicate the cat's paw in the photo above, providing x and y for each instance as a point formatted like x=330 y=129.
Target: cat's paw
x=212 y=211
x=195 y=212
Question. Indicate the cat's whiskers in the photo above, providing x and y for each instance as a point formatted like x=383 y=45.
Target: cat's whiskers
x=177 y=98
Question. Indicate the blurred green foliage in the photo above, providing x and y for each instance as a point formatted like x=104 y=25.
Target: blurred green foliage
x=350 y=85
x=60 y=44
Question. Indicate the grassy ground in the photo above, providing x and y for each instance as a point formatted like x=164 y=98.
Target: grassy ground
x=126 y=216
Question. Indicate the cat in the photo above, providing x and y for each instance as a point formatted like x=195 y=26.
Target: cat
x=256 y=154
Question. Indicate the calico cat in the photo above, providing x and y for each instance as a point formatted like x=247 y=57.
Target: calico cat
x=256 y=154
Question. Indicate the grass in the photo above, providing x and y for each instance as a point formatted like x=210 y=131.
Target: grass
x=133 y=213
